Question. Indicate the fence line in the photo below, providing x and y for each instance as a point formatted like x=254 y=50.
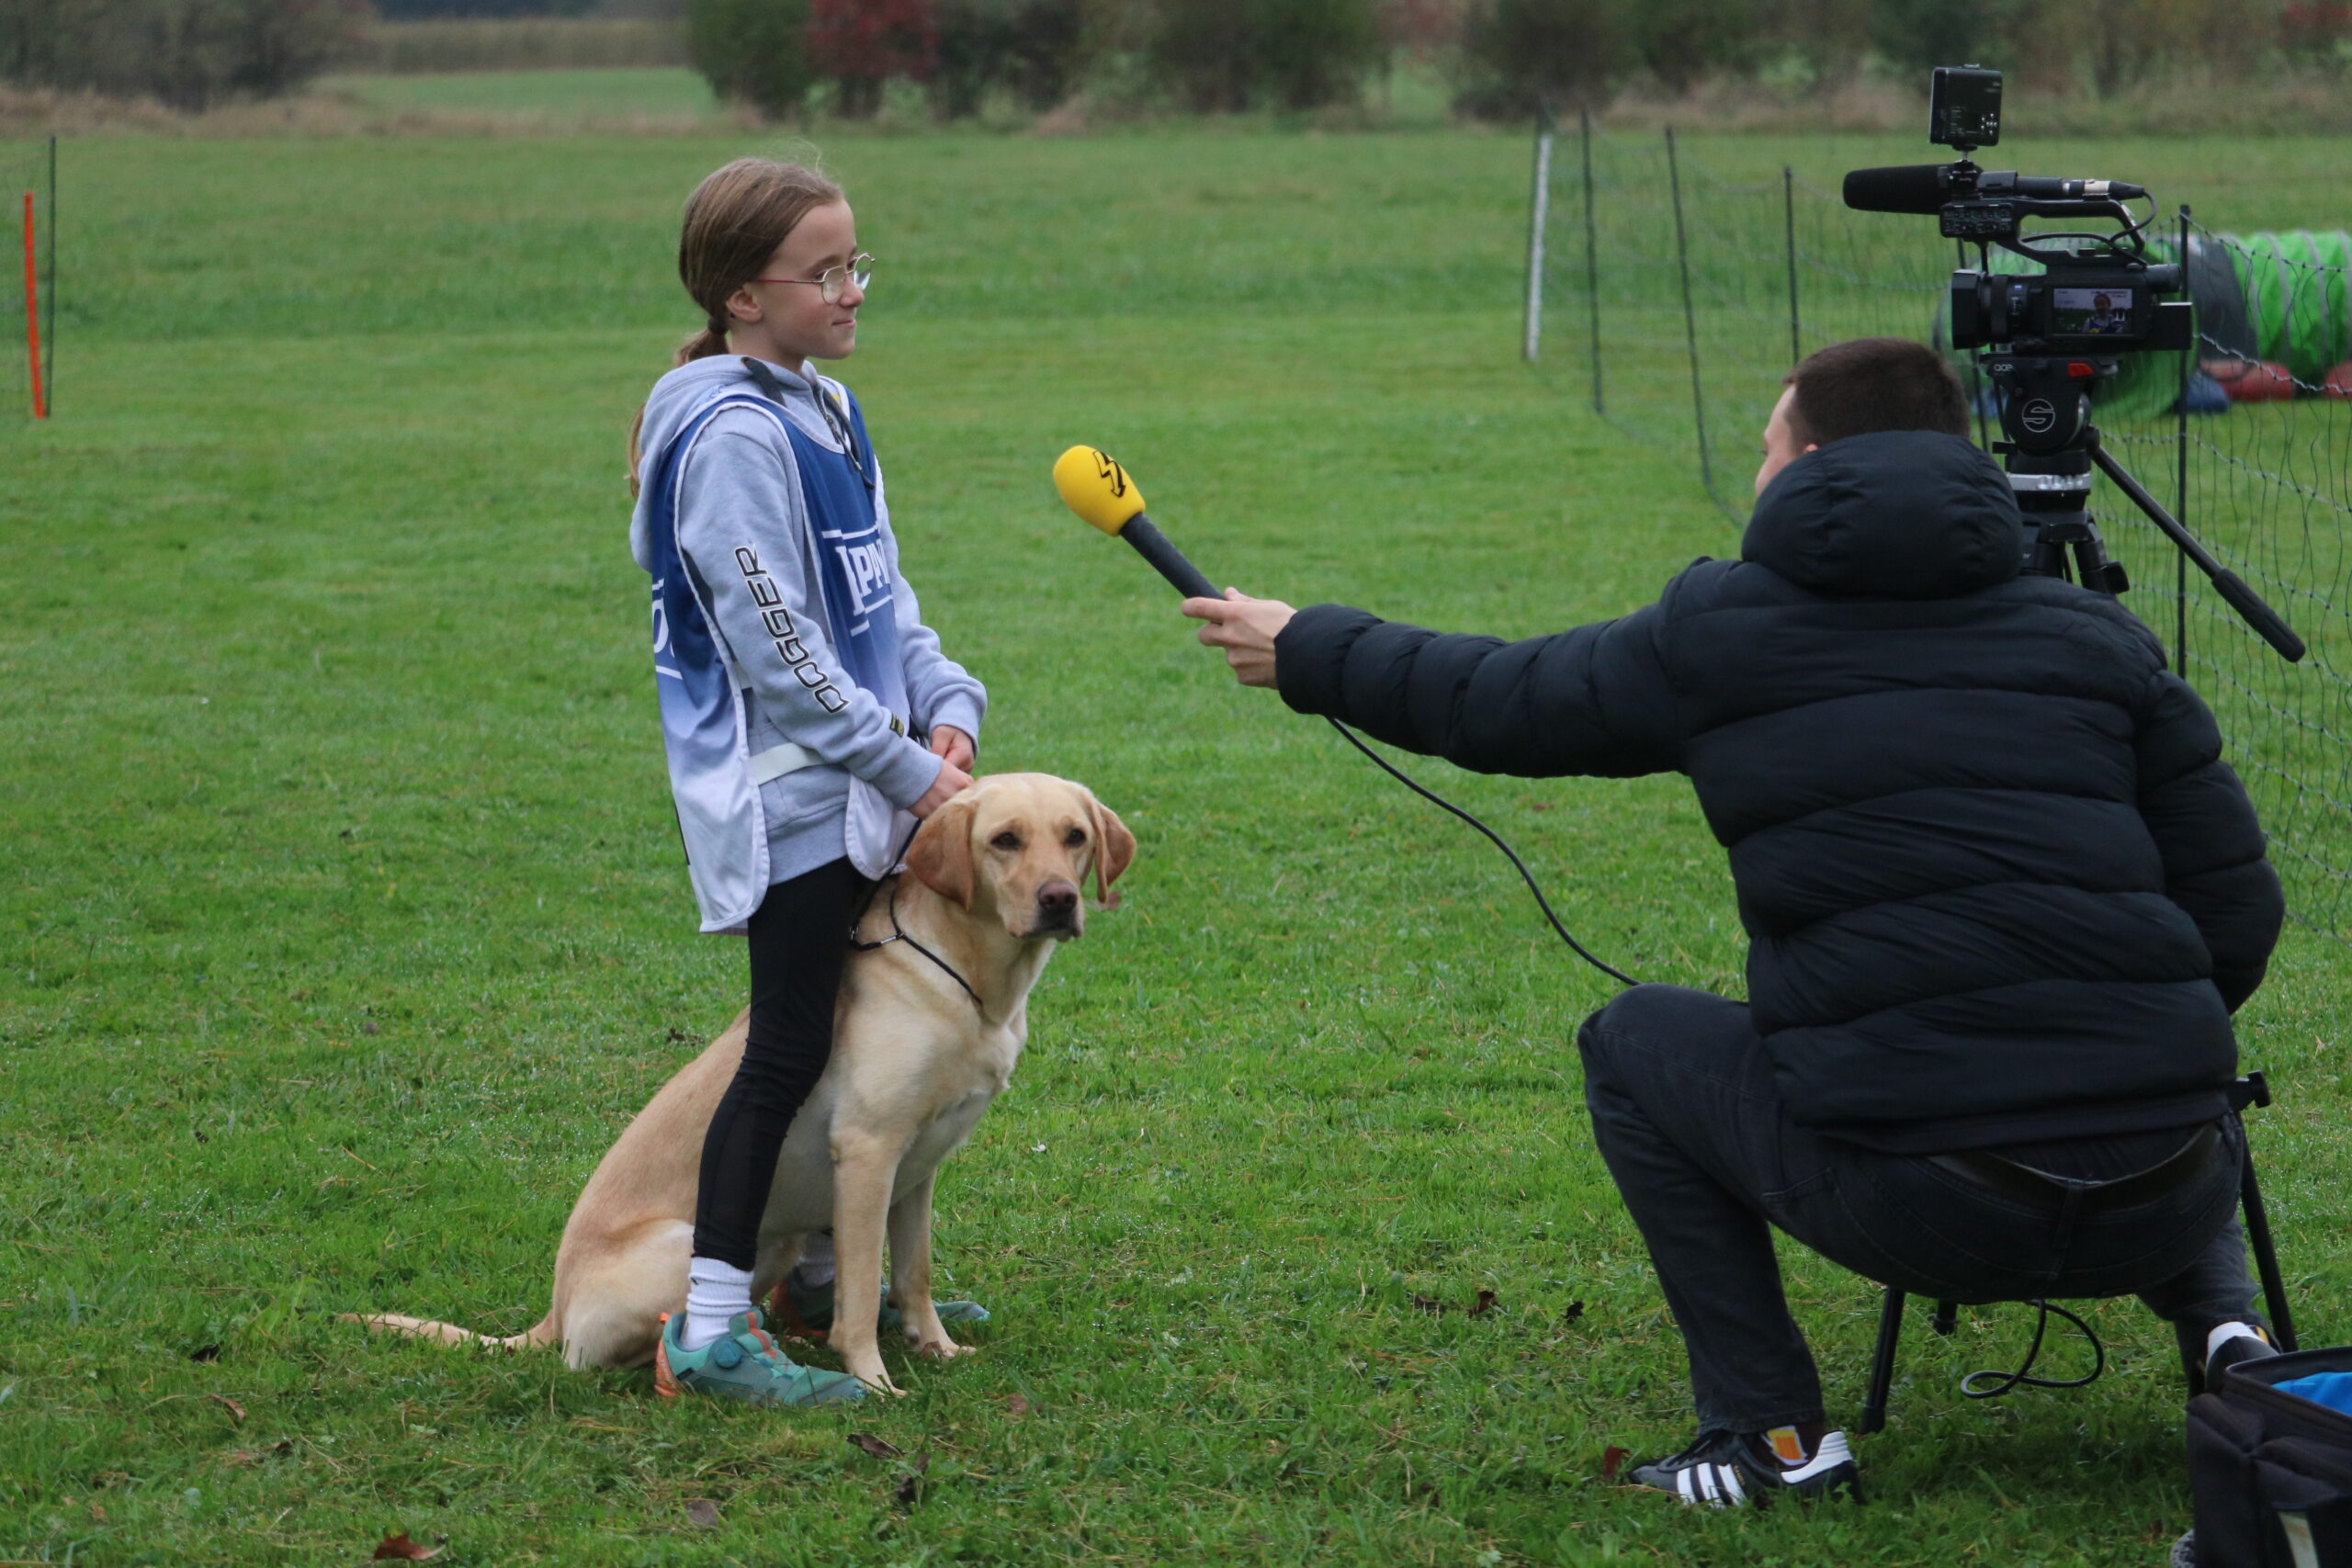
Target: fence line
x=1688 y=281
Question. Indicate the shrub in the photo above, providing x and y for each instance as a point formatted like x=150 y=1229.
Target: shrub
x=861 y=44
x=754 y=51
x=1044 y=49
x=1681 y=42
x=1519 y=54
x=1227 y=55
x=1314 y=51
x=1919 y=34
x=188 y=54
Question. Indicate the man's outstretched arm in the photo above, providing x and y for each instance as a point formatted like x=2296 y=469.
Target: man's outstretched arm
x=1592 y=700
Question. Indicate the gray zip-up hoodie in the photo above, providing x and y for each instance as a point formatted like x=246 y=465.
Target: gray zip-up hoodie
x=741 y=487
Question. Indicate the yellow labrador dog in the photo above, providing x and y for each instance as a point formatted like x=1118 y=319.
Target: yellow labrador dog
x=992 y=885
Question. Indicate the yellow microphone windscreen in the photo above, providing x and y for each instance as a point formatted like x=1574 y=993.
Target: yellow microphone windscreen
x=1094 y=486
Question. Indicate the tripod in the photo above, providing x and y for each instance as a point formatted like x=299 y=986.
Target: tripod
x=2050 y=450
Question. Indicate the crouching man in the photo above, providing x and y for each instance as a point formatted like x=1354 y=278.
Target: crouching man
x=2001 y=896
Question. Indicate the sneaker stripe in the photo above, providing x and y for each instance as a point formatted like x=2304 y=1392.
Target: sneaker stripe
x=1832 y=1454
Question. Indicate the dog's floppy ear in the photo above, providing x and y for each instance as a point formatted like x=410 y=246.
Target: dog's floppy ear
x=1115 y=849
x=941 y=856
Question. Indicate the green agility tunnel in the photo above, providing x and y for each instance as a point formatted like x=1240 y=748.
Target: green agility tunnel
x=2279 y=298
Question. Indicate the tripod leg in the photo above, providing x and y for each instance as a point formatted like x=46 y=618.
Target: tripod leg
x=1890 y=1328
x=2265 y=1253
x=1947 y=1318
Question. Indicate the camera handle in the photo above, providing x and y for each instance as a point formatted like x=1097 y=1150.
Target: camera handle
x=2052 y=489
x=2267 y=622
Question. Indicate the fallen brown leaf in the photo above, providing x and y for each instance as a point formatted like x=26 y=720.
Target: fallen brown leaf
x=397 y=1547
x=236 y=1411
x=868 y=1443
x=1017 y=1405
x=702 y=1512
x=1486 y=1304
x=1612 y=1459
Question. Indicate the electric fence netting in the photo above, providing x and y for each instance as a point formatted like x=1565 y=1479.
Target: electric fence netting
x=28 y=276
x=1681 y=299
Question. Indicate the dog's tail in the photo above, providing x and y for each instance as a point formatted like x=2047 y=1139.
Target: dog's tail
x=541 y=1333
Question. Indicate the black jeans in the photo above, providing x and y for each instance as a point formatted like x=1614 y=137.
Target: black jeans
x=799 y=940
x=1686 y=1114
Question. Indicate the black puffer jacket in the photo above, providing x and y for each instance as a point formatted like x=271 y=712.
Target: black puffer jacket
x=1996 y=882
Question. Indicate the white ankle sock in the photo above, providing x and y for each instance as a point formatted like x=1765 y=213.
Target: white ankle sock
x=2226 y=1332
x=716 y=1291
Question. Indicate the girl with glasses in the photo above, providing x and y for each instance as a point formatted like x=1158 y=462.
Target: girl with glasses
x=808 y=712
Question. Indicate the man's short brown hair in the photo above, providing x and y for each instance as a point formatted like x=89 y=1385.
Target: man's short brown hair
x=1871 y=384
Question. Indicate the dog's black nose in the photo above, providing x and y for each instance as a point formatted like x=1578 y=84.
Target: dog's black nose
x=1057 y=902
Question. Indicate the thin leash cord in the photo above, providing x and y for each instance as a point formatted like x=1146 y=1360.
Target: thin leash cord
x=897 y=933
x=2001 y=1382
x=1494 y=838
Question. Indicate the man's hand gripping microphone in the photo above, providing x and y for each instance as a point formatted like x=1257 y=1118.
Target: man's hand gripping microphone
x=1094 y=486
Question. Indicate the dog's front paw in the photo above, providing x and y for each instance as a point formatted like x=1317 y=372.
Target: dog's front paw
x=876 y=1378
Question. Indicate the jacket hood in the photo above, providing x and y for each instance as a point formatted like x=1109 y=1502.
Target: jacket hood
x=677 y=396
x=1896 y=514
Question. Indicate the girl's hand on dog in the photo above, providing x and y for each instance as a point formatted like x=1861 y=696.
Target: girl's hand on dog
x=952 y=781
x=952 y=743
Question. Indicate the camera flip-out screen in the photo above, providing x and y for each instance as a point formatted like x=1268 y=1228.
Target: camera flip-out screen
x=2090 y=312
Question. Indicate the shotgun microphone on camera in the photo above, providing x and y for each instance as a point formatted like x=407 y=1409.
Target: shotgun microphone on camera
x=1911 y=188
x=1925 y=189
x=1093 y=485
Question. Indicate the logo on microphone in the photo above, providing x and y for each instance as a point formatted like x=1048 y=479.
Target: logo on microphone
x=1107 y=469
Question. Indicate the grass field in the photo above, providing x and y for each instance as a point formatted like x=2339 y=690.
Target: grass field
x=343 y=925
x=539 y=99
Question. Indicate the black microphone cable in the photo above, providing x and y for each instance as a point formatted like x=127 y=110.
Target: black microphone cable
x=1997 y=1382
x=1386 y=766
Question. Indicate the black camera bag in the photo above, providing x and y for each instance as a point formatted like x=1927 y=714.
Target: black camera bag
x=2272 y=1473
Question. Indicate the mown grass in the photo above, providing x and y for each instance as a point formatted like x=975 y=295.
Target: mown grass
x=342 y=927
x=665 y=93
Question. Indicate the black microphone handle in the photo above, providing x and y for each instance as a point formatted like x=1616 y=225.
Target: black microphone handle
x=1167 y=560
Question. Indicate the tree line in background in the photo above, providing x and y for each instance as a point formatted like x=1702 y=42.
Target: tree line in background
x=187 y=54
x=788 y=57
x=1503 y=57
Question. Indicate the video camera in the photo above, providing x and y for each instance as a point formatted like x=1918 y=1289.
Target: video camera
x=2050 y=336
x=2045 y=340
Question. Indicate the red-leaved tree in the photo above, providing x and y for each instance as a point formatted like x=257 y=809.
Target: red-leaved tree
x=860 y=44
x=2316 y=31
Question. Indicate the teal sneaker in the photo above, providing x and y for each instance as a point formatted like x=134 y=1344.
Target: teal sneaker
x=743 y=1364
x=807 y=1310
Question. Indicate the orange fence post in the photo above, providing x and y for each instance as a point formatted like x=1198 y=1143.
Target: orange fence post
x=32 y=312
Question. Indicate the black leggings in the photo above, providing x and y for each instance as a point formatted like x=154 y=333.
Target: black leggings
x=799 y=941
